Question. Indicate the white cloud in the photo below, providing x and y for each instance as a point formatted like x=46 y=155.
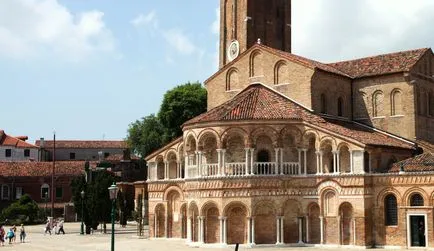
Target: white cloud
x=179 y=41
x=332 y=30
x=215 y=26
x=38 y=28
x=144 y=20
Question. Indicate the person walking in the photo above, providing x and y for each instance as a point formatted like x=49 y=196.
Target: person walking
x=2 y=235
x=22 y=233
x=14 y=228
x=10 y=235
x=60 y=225
x=47 y=228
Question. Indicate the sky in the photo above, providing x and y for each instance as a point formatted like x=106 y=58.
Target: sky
x=86 y=69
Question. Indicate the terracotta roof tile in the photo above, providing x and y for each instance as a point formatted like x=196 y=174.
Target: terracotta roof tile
x=381 y=64
x=84 y=144
x=8 y=140
x=426 y=146
x=420 y=163
x=258 y=102
x=41 y=169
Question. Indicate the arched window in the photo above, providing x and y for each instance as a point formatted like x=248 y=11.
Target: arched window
x=255 y=66
x=396 y=102
x=390 y=210
x=231 y=79
x=340 y=107
x=281 y=75
x=5 y=192
x=377 y=104
x=416 y=200
x=45 y=191
x=323 y=101
x=263 y=156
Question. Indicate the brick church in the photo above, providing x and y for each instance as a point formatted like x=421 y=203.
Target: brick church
x=292 y=151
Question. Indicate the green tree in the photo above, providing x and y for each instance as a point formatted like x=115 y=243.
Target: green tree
x=145 y=135
x=24 y=209
x=180 y=104
x=97 y=204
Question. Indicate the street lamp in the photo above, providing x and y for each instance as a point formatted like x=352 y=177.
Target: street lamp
x=46 y=200
x=113 y=192
x=82 y=212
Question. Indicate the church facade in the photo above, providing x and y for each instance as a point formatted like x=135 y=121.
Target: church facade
x=296 y=152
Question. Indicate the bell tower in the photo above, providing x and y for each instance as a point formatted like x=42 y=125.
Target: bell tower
x=243 y=22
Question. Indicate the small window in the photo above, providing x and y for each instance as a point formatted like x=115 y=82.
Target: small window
x=18 y=192
x=8 y=153
x=5 y=192
x=26 y=152
x=71 y=155
x=323 y=104
x=340 y=107
x=416 y=200
x=390 y=210
x=59 y=192
x=45 y=191
x=106 y=155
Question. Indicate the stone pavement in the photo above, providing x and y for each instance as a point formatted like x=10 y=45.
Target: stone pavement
x=126 y=240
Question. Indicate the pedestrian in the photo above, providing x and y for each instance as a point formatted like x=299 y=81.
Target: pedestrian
x=22 y=233
x=14 y=228
x=61 y=227
x=10 y=235
x=47 y=228
x=55 y=228
x=2 y=235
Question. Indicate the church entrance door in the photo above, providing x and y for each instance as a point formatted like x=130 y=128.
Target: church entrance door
x=416 y=230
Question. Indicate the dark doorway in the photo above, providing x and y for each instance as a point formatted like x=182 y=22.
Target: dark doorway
x=263 y=156
x=417 y=231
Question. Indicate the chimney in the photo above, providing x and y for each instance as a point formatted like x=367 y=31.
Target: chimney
x=41 y=143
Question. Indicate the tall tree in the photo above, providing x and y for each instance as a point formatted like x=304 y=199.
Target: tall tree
x=180 y=104
x=145 y=135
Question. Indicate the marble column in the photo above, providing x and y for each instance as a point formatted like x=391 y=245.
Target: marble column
x=252 y=167
x=276 y=167
x=249 y=230
x=189 y=239
x=219 y=161
x=307 y=228
x=225 y=230
x=253 y=231
x=199 y=164
x=221 y=229
x=305 y=161
x=321 y=223
x=281 y=161
x=199 y=229
x=224 y=162
x=246 y=171
x=338 y=161
x=166 y=225
x=282 y=237
x=335 y=166
x=166 y=168
x=186 y=164
x=277 y=230
x=351 y=162
x=300 y=230
x=202 y=229
x=299 y=160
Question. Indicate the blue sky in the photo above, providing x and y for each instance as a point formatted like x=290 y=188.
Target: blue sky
x=88 y=68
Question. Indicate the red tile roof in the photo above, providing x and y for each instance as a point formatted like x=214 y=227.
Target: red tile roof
x=41 y=169
x=84 y=144
x=426 y=146
x=16 y=142
x=120 y=157
x=381 y=64
x=420 y=163
x=258 y=102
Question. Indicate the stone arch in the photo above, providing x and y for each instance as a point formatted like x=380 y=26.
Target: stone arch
x=310 y=141
x=265 y=227
x=232 y=79
x=290 y=140
x=291 y=210
x=294 y=132
x=172 y=162
x=209 y=142
x=346 y=223
x=410 y=192
x=329 y=200
x=169 y=152
x=209 y=132
x=174 y=202
x=344 y=158
x=212 y=229
x=160 y=220
x=314 y=225
x=396 y=102
x=181 y=155
x=327 y=147
x=230 y=132
x=383 y=193
x=173 y=188
x=281 y=75
x=377 y=104
x=268 y=131
x=237 y=214
x=193 y=214
x=234 y=141
x=159 y=162
x=255 y=66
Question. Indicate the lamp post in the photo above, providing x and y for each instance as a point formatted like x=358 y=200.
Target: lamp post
x=82 y=212
x=46 y=200
x=113 y=191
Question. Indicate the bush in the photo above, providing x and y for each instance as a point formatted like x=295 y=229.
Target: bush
x=25 y=210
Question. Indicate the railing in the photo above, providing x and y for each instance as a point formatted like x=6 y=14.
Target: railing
x=235 y=169
x=192 y=171
x=290 y=168
x=209 y=170
x=264 y=168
